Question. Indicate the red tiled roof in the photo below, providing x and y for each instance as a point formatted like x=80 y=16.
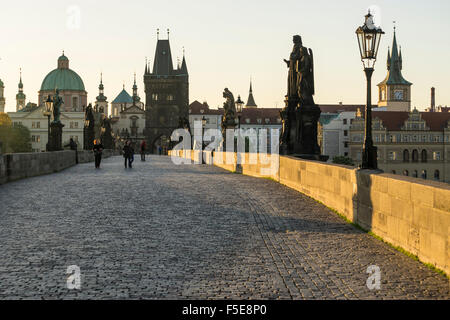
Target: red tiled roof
x=336 y=108
x=202 y=108
x=394 y=120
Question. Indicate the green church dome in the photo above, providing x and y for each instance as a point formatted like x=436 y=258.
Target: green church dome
x=63 y=79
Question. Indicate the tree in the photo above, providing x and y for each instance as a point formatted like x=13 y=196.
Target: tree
x=14 y=138
x=343 y=160
x=5 y=120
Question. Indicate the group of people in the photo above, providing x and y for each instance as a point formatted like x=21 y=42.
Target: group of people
x=128 y=153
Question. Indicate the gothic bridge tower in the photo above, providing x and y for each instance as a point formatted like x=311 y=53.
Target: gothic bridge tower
x=167 y=97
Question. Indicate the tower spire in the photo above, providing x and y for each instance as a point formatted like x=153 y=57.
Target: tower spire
x=251 y=101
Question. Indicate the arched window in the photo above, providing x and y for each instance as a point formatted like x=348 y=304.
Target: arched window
x=437 y=175
x=406 y=173
x=415 y=174
x=424 y=155
x=405 y=156
x=415 y=156
x=424 y=174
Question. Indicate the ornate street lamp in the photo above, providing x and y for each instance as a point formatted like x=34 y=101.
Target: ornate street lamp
x=203 y=131
x=239 y=106
x=48 y=113
x=369 y=37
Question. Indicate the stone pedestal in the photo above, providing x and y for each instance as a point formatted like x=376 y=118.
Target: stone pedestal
x=55 y=143
x=299 y=135
x=89 y=137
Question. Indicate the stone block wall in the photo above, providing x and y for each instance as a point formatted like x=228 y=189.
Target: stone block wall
x=411 y=213
x=25 y=165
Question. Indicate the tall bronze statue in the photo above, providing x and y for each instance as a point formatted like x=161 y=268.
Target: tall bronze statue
x=57 y=102
x=229 y=117
x=301 y=114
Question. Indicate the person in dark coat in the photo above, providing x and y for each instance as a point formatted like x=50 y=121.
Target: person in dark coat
x=98 y=149
x=74 y=147
x=128 y=154
x=143 y=149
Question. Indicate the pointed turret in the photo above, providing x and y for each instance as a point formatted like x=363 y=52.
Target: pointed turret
x=184 y=69
x=20 y=96
x=136 y=98
x=251 y=101
x=389 y=59
x=101 y=97
x=400 y=59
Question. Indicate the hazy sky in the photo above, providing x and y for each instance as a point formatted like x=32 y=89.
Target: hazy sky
x=226 y=42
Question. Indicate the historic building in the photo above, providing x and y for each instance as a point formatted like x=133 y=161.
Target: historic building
x=70 y=85
x=20 y=96
x=394 y=91
x=128 y=119
x=2 y=96
x=251 y=118
x=33 y=118
x=412 y=143
x=167 y=97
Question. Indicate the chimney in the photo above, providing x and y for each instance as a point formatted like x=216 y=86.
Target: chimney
x=433 y=99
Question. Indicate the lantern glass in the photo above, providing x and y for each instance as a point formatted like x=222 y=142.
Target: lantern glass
x=239 y=105
x=369 y=37
x=48 y=106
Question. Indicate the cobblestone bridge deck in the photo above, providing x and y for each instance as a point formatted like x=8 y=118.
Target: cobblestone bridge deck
x=161 y=231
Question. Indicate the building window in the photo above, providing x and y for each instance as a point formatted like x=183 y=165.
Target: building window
x=437 y=175
x=392 y=155
x=405 y=156
x=75 y=103
x=38 y=138
x=394 y=172
x=155 y=96
x=346 y=144
x=345 y=133
x=424 y=156
x=345 y=121
x=415 y=156
x=33 y=138
x=38 y=125
x=406 y=173
x=424 y=174
x=247 y=120
x=346 y=154
x=415 y=174
x=71 y=125
x=436 y=156
x=33 y=125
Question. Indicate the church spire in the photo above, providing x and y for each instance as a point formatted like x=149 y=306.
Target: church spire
x=101 y=96
x=389 y=59
x=251 y=101
x=20 y=96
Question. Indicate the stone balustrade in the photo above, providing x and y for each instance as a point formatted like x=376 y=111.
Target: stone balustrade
x=410 y=213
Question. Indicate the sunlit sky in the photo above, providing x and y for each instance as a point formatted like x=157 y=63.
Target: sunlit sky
x=226 y=43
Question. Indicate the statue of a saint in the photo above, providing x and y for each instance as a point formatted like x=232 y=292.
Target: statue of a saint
x=229 y=105
x=301 y=73
x=57 y=102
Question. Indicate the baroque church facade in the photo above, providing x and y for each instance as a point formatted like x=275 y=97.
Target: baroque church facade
x=166 y=97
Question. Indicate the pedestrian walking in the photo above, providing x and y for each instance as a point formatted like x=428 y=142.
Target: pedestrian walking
x=74 y=147
x=128 y=154
x=143 y=149
x=98 y=149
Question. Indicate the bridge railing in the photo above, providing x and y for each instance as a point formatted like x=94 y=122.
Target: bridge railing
x=409 y=213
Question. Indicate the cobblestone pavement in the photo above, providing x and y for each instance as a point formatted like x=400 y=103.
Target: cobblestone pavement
x=161 y=231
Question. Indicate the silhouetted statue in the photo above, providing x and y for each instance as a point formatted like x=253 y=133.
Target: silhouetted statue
x=57 y=102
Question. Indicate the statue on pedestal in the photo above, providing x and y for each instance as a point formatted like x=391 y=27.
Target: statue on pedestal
x=89 y=123
x=229 y=117
x=301 y=114
x=106 y=137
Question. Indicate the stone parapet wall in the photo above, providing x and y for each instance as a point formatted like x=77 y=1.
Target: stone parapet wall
x=25 y=165
x=410 y=213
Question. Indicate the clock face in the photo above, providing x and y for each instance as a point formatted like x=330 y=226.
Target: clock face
x=398 y=95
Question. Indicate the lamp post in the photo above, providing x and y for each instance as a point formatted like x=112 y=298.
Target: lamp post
x=48 y=113
x=203 y=132
x=239 y=105
x=369 y=37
